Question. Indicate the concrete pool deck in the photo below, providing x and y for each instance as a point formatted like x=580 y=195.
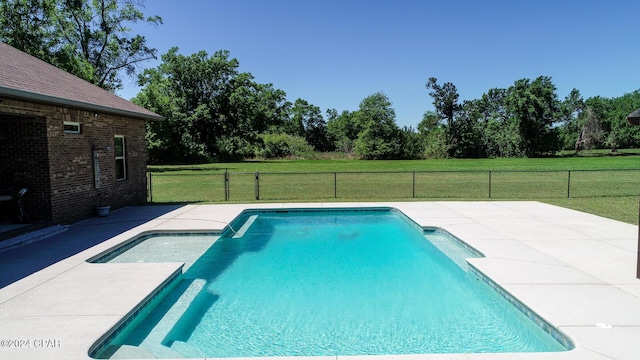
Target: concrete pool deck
x=575 y=270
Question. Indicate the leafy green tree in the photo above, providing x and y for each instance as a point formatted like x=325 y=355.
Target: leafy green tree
x=497 y=131
x=213 y=111
x=433 y=135
x=88 y=38
x=294 y=125
x=536 y=108
x=248 y=110
x=590 y=133
x=501 y=139
x=331 y=115
x=625 y=135
x=342 y=129
x=282 y=145
x=430 y=122
x=468 y=132
x=379 y=137
x=307 y=121
x=571 y=124
x=411 y=144
x=572 y=106
x=26 y=25
x=170 y=140
x=445 y=100
x=603 y=122
x=201 y=87
x=599 y=105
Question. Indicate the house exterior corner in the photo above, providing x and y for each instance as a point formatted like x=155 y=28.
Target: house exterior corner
x=67 y=159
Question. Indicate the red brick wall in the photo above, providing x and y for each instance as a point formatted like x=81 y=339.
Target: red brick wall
x=24 y=161
x=63 y=163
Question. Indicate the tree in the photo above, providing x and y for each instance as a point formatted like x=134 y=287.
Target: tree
x=26 y=25
x=201 y=87
x=433 y=136
x=570 y=123
x=246 y=110
x=497 y=130
x=601 y=107
x=213 y=111
x=430 y=122
x=572 y=106
x=534 y=105
x=87 y=38
x=590 y=133
x=282 y=145
x=445 y=100
x=468 y=131
x=411 y=146
x=603 y=122
x=307 y=121
x=625 y=136
x=378 y=137
x=342 y=129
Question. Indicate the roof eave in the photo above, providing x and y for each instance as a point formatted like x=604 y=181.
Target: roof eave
x=4 y=91
x=634 y=118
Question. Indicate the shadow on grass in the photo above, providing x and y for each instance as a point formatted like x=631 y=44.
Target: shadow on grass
x=597 y=153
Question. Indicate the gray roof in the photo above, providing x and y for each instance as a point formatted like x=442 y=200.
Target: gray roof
x=23 y=76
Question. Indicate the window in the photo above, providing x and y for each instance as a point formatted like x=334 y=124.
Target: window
x=121 y=165
x=71 y=127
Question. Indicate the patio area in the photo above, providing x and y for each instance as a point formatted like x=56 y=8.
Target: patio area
x=575 y=270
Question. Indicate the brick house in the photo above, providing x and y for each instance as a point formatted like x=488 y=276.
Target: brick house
x=69 y=142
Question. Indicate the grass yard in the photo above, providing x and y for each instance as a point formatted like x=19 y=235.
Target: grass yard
x=575 y=182
x=623 y=208
x=598 y=160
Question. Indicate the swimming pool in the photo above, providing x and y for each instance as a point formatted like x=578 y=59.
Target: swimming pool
x=329 y=282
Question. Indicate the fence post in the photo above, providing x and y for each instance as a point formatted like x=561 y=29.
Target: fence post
x=414 y=186
x=489 y=184
x=257 y=185
x=335 y=185
x=568 y=184
x=150 y=189
x=226 y=184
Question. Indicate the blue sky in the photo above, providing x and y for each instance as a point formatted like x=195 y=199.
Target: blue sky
x=335 y=53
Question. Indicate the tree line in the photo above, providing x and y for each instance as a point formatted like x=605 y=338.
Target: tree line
x=525 y=120
x=214 y=112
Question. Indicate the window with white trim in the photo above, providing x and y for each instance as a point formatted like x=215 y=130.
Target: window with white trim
x=120 y=157
x=71 y=127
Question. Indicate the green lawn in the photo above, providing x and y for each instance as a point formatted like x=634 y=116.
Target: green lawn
x=575 y=182
x=623 y=208
x=626 y=159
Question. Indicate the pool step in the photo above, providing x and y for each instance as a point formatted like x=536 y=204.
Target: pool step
x=187 y=350
x=245 y=227
x=154 y=341
x=190 y=318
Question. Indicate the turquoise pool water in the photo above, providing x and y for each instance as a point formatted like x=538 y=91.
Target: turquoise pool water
x=288 y=283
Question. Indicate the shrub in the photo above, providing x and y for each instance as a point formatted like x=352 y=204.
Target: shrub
x=283 y=145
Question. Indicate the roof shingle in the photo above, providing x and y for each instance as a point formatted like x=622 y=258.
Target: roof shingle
x=27 y=77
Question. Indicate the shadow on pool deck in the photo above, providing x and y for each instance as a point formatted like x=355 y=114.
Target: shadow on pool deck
x=22 y=261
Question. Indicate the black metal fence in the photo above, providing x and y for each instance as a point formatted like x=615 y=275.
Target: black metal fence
x=517 y=185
